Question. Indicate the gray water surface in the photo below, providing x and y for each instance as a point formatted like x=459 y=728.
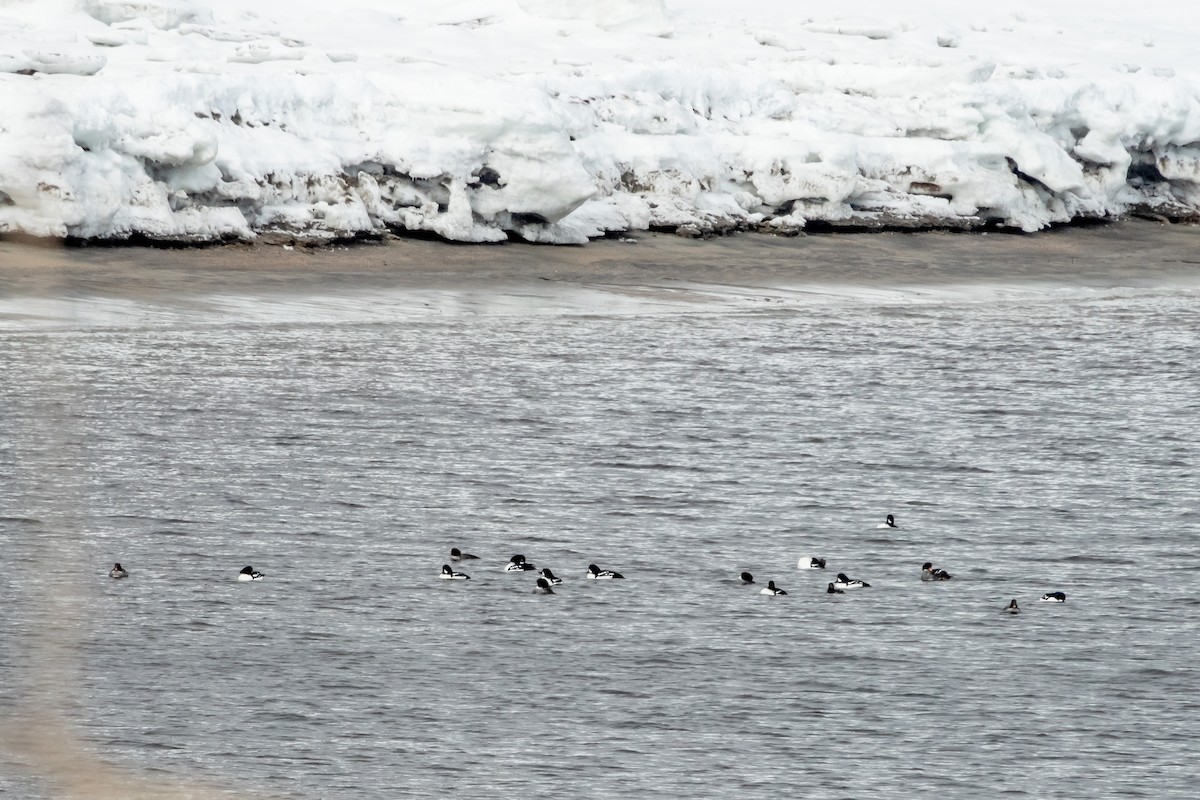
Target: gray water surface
x=1027 y=441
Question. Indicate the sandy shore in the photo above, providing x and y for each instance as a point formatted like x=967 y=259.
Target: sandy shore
x=416 y=276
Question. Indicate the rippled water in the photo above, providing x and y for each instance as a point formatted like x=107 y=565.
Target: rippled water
x=1028 y=442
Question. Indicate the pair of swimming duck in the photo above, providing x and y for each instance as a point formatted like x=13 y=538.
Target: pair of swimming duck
x=449 y=574
x=770 y=589
x=1049 y=597
x=842 y=583
x=247 y=573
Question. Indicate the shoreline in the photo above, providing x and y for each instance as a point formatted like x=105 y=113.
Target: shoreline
x=640 y=273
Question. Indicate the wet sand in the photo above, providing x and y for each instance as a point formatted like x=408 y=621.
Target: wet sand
x=643 y=272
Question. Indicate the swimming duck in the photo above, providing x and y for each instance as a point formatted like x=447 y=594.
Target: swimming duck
x=928 y=573
x=747 y=577
x=548 y=576
x=518 y=564
x=118 y=571
x=543 y=587
x=832 y=590
x=1054 y=597
x=250 y=574
x=450 y=575
x=771 y=589
x=843 y=582
x=1012 y=607
x=459 y=555
x=811 y=563
x=598 y=574
x=890 y=523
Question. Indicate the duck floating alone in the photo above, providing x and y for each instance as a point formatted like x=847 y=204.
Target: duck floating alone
x=450 y=575
x=250 y=574
x=118 y=571
x=843 y=582
x=518 y=564
x=929 y=573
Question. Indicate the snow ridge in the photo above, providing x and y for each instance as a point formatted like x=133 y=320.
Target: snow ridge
x=559 y=122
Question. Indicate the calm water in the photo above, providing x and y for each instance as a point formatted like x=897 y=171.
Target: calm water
x=1029 y=440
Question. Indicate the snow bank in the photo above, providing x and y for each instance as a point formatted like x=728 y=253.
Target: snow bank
x=557 y=121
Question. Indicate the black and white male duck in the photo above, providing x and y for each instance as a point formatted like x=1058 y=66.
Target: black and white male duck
x=250 y=574
x=843 y=582
x=450 y=575
x=518 y=564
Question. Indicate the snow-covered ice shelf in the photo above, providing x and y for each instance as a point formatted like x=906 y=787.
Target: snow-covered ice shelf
x=559 y=121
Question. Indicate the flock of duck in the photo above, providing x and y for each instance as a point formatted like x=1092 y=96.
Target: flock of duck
x=547 y=579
